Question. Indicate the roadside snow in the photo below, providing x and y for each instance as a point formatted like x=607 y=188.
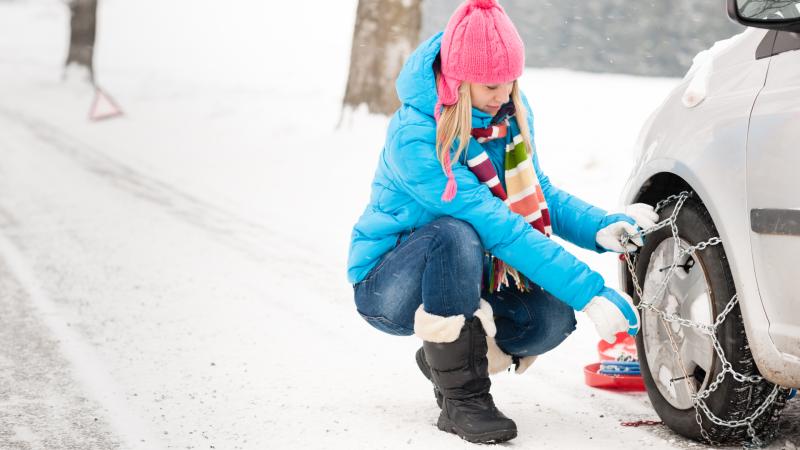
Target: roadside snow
x=187 y=262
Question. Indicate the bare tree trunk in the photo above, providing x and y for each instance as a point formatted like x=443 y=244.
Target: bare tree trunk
x=386 y=32
x=83 y=25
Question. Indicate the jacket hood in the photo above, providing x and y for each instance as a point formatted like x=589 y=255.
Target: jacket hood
x=416 y=84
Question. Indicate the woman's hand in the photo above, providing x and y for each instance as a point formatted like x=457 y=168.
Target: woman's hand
x=613 y=312
x=615 y=226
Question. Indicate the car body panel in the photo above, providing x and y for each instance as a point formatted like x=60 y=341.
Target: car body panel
x=706 y=145
x=773 y=177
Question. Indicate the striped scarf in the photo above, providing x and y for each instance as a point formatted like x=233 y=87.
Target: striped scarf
x=522 y=192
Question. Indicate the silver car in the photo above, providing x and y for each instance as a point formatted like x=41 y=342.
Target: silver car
x=720 y=339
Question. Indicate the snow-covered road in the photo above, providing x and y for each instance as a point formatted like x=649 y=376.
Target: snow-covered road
x=174 y=299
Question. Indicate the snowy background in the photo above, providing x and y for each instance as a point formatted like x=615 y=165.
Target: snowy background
x=642 y=37
x=175 y=278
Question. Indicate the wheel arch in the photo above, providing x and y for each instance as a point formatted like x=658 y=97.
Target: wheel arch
x=660 y=186
x=657 y=187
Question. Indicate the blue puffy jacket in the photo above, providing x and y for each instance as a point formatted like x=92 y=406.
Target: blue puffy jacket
x=409 y=181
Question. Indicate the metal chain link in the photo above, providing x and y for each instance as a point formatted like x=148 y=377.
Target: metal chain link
x=698 y=398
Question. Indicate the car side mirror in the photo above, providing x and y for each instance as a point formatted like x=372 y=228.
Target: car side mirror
x=781 y=15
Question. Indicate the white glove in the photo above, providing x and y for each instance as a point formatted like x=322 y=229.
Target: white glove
x=644 y=215
x=613 y=312
x=615 y=226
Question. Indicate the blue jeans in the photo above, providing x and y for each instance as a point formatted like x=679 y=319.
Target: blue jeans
x=441 y=266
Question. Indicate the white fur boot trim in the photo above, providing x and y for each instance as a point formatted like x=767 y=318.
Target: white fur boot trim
x=432 y=328
x=486 y=316
x=524 y=363
x=498 y=359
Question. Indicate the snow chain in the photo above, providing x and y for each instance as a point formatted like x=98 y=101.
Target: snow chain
x=698 y=398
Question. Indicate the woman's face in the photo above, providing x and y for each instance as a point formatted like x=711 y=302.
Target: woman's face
x=490 y=97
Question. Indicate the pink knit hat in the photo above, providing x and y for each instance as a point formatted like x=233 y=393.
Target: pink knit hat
x=480 y=45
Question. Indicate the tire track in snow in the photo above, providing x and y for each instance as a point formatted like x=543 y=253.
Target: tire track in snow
x=256 y=240
x=44 y=199
x=86 y=367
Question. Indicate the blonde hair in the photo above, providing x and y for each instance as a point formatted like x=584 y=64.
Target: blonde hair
x=456 y=122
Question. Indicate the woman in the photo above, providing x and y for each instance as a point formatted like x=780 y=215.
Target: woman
x=454 y=244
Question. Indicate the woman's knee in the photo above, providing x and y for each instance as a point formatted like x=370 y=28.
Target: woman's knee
x=560 y=325
x=566 y=322
x=388 y=312
x=459 y=240
x=544 y=334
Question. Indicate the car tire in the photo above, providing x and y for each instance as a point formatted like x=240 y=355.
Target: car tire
x=732 y=400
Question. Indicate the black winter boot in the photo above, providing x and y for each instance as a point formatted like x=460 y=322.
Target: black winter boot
x=426 y=370
x=459 y=369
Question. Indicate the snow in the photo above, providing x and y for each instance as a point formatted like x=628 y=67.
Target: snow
x=179 y=273
x=89 y=372
x=702 y=67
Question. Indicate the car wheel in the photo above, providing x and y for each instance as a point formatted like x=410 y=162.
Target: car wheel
x=698 y=290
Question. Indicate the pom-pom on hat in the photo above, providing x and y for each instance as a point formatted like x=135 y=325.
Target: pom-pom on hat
x=480 y=45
